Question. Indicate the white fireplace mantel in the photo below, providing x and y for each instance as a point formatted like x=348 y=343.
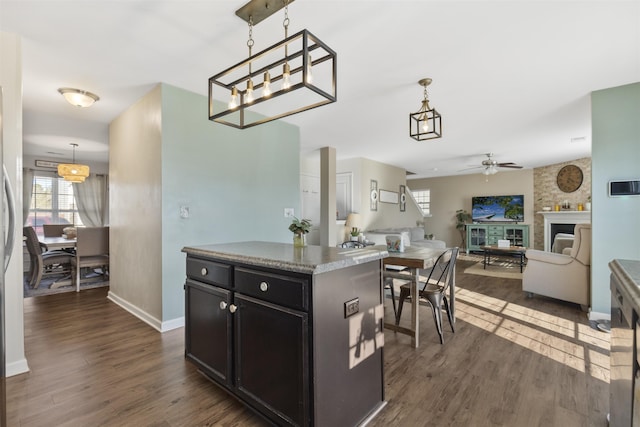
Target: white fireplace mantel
x=562 y=217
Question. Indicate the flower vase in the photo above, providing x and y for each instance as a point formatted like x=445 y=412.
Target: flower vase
x=299 y=240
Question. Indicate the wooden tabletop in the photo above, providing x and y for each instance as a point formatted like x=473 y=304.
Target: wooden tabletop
x=414 y=257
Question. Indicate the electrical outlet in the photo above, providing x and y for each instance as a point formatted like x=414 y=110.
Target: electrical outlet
x=351 y=307
x=289 y=212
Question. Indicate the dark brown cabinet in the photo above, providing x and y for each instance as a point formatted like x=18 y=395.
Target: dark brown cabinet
x=209 y=326
x=272 y=369
x=254 y=343
x=280 y=341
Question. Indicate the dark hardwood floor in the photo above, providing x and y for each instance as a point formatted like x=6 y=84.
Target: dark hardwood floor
x=512 y=361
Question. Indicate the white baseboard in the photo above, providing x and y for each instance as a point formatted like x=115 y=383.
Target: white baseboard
x=594 y=315
x=146 y=317
x=17 y=368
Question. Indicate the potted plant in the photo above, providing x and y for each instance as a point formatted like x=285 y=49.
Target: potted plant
x=354 y=233
x=299 y=227
x=587 y=205
x=462 y=218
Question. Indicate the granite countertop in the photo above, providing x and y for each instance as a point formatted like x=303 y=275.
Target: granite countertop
x=628 y=274
x=284 y=256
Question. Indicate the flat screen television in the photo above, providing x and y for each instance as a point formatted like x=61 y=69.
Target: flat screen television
x=498 y=208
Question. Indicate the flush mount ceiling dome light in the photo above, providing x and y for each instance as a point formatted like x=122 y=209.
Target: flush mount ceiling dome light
x=427 y=122
x=300 y=66
x=78 y=97
x=73 y=172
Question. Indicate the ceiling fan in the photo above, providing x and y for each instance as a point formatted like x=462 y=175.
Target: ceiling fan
x=491 y=166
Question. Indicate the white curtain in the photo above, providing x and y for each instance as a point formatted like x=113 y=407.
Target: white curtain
x=27 y=192
x=92 y=199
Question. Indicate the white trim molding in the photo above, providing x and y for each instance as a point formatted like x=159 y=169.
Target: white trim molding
x=562 y=217
x=150 y=320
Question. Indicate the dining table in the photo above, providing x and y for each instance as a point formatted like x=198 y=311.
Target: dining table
x=58 y=242
x=411 y=261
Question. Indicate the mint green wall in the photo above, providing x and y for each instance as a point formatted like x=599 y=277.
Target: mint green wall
x=236 y=184
x=615 y=155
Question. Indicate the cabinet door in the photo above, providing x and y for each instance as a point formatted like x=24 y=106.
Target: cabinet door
x=477 y=237
x=208 y=329
x=271 y=360
x=517 y=235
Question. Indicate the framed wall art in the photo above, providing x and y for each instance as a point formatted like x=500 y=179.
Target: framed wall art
x=388 y=197
x=373 y=195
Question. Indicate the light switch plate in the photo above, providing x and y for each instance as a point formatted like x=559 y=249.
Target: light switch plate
x=289 y=212
x=184 y=211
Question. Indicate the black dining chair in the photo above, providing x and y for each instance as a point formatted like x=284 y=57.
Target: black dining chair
x=441 y=280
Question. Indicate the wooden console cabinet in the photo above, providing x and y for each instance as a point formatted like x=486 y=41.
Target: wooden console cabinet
x=479 y=235
x=268 y=323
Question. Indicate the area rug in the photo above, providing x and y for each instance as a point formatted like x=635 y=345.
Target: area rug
x=93 y=280
x=503 y=269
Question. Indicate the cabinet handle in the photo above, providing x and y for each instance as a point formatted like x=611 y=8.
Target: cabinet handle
x=264 y=286
x=204 y=271
x=223 y=305
x=233 y=308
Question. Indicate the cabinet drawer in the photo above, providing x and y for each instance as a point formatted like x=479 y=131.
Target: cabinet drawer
x=496 y=230
x=209 y=271
x=288 y=291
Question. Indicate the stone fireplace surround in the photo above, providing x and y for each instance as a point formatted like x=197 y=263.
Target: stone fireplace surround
x=562 y=217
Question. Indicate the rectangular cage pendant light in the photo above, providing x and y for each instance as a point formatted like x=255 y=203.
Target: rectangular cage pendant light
x=425 y=125
x=294 y=75
x=427 y=122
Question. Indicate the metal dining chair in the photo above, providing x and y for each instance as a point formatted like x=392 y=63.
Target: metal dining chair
x=439 y=283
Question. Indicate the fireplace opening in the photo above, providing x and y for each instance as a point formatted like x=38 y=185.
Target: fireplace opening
x=564 y=229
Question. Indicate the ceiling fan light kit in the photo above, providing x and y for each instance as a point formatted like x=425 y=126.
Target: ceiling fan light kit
x=426 y=123
x=78 y=97
x=491 y=166
x=300 y=66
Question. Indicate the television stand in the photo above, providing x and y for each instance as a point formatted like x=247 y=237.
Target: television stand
x=479 y=235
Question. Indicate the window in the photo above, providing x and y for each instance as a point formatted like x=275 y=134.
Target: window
x=423 y=199
x=52 y=202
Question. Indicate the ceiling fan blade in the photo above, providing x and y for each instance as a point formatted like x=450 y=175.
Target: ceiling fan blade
x=472 y=167
x=510 y=165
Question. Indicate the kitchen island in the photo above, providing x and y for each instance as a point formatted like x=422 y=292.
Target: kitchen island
x=296 y=334
x=624 y=356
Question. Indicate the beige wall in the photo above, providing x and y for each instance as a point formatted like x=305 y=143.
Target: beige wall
x=136 y=206
x=363 y=171
x=448 y=194
x=546 y=193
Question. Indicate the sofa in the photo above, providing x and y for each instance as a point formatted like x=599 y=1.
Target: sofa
x=411 y=236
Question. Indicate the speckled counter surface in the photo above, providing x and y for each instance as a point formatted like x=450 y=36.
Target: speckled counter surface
x=628 y=274
x=283 y=256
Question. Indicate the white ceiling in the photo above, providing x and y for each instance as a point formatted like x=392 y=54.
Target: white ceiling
x=509 y=77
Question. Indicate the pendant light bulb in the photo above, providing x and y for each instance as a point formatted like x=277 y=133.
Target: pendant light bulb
x=309 y=73
x=266 y=85
x=233 y=102
x=425 y=124
x=286 y=75
x=249 y=91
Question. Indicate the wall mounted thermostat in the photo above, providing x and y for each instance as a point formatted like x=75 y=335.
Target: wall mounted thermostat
x=624 y=188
